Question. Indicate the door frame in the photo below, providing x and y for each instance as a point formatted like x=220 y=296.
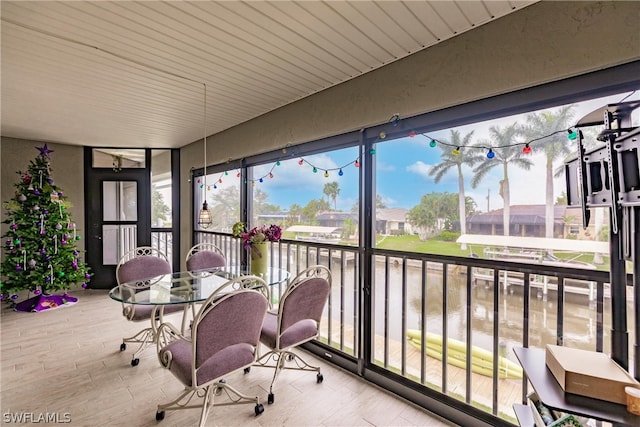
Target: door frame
x=104 y=275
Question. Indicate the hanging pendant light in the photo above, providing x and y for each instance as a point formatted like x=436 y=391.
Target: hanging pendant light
x=204 y=218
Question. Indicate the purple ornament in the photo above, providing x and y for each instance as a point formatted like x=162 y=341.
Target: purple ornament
x=75 y=253
x=50 y=181
x=87 y=276
x=47 y=258
x=43 y=251
x=46 y=212
x=43 y=232
x=22 y=198
x=58 y=226
x=60 y=193
x=14 y=226
x=47 y=279
x=14 y=297
x=32 y=263
x=84 y=286
x=36 y=192
x=18 y=267
x=63 y=242
x=36 y=292
x=1 y=297
x=75 y=266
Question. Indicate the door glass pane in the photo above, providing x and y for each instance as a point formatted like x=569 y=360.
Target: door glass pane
x=116 y=241
x=161 y=189
x=120 y=201
x=117 y=159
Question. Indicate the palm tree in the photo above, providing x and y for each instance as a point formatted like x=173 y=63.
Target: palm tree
x=555 y=146
x=454 y=157
x=506 y=154
x=331 y=190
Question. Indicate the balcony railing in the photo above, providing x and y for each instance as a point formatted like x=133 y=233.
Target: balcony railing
x=467 y=305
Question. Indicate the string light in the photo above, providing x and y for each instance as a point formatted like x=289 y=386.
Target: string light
x=433 y=142
x=526 y=146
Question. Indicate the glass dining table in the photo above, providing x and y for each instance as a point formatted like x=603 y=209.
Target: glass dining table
x=187 y=288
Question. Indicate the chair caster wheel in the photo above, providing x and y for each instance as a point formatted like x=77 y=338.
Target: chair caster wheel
x=319 y=378
x=123 y=347
x=160 y=416
x=247 y=370
x=259 y=409
x=270 y=398
x=134 y=362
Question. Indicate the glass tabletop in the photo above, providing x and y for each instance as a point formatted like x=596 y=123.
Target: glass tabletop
x=186 y=286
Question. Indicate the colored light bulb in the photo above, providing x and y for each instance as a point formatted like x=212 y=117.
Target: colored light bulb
x=326 y=174
x=433 y=143
x=300 y=162
x=340 y=173
x=491 y=154
x=526 y=149
x=356 y=164
x=572 y=134
x=315 y=169
x=412 y=134
x=456 y=151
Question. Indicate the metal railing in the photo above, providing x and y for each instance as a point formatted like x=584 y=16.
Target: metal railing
x=479 y=303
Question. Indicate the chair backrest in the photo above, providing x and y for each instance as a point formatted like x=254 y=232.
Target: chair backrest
x=305 y=297
x=141 y=263
x=227 y=320
x=203 y=256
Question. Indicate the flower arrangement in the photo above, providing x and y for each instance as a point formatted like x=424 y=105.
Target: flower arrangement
x=265 y=233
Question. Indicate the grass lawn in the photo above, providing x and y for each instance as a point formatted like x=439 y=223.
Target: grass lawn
x=413 y=244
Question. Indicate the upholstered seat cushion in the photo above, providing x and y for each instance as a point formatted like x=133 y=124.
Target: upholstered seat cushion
x=142 y=267
x=297 y=333
x=205 y=259
x=143 y=312
x=224 y=361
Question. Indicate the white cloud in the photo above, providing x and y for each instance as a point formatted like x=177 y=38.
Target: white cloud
x=421 y=169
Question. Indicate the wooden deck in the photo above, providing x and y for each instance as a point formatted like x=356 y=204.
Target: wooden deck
x=509 y=390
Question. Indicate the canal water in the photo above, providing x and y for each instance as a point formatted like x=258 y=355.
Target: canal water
x=580 y=316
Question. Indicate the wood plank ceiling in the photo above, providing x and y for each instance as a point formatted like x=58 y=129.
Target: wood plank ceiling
x=132 y=73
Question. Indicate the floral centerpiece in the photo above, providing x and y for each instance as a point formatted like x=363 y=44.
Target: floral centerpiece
x=265 y=233
x=255 y=240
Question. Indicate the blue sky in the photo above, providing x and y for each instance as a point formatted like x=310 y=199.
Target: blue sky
x=403 y=167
